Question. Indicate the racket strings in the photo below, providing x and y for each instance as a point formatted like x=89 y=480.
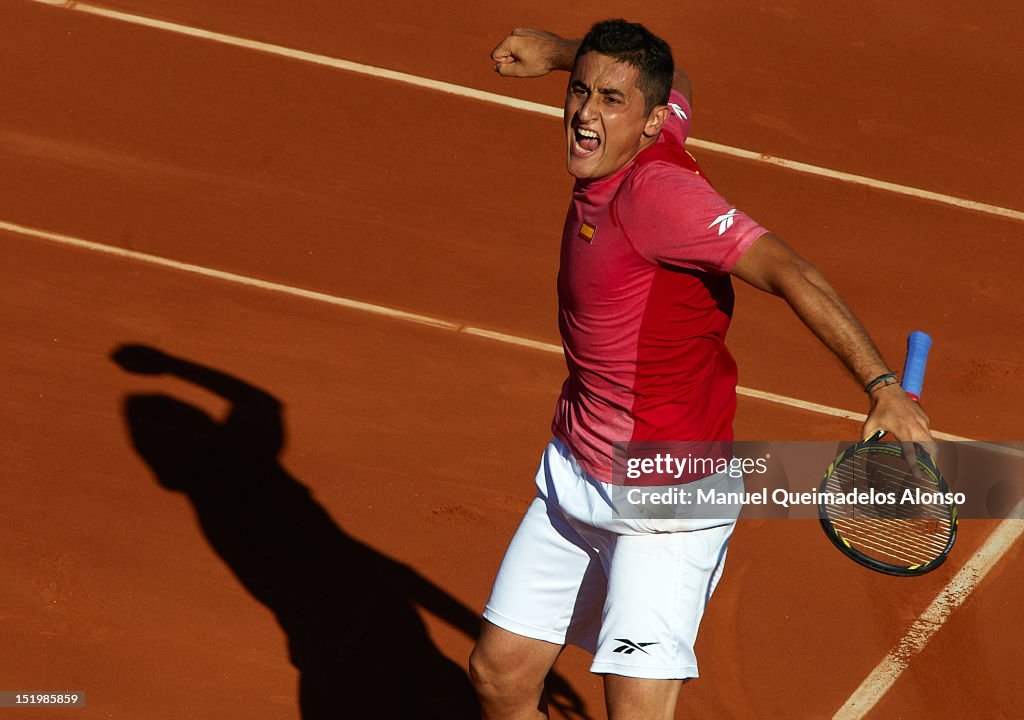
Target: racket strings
x=911 y=546
x=884 y=478
x=888 y=529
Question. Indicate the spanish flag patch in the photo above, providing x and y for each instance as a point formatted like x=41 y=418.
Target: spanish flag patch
x=587 y=232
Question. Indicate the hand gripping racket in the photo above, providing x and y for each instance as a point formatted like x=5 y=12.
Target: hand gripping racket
x=876 y=509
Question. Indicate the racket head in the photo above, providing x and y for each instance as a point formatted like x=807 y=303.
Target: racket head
x=882 y=532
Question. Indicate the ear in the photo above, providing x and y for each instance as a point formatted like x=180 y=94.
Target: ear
x=657 y=118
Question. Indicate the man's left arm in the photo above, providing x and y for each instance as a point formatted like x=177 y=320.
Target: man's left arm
x=769 y=264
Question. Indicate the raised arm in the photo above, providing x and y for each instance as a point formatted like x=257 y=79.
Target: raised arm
x=527 y=53
x=771 y=265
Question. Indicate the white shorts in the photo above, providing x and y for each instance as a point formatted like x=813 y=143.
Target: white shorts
x=632 y=592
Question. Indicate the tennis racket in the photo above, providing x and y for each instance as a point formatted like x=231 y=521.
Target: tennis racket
x=876 y=509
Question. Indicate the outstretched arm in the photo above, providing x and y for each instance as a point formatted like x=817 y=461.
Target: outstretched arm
x=527 y=53
x=771 y=265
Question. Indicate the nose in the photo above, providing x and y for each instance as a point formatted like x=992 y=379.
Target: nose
x=587 y=110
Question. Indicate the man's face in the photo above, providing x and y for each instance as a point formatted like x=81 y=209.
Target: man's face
x=605 y=119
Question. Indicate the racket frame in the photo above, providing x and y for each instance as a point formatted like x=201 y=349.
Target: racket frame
x=926 y=465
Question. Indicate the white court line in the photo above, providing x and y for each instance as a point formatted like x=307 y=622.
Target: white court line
x=877 y=684
x=230 y=277
x=951 y=597
x=384 y=311
x=518 y=104
x=419 y=319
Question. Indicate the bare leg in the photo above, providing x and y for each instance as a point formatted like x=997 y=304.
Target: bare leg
x=629 y=698
x=508 y=672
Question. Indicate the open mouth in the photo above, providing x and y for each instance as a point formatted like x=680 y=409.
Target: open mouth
x=586 y=141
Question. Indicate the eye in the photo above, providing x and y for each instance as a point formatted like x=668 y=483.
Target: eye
x=579 y=90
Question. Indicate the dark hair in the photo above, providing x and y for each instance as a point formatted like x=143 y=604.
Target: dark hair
x=635 y=45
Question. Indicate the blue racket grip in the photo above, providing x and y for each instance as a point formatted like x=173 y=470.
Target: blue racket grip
x=918 y=345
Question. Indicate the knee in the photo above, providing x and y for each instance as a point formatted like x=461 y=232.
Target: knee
x=500 y=683
x=487 y=675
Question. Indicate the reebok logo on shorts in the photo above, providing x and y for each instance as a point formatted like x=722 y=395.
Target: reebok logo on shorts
x=629 y=647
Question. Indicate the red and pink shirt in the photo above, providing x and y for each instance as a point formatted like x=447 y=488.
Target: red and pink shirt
x=645 y=300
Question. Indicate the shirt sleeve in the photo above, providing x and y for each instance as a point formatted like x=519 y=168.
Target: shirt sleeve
x=673 y=216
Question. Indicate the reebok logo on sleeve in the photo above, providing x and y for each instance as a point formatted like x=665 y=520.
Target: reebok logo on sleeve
x=724 y=222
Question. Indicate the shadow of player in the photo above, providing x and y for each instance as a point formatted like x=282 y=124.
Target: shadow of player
x=349 y=611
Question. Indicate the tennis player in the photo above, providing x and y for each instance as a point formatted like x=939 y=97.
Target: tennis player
x=645 y=301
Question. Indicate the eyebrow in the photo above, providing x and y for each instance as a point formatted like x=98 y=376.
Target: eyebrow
x=602 y=91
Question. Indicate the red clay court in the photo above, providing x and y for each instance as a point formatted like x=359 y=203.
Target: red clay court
x=355 y=275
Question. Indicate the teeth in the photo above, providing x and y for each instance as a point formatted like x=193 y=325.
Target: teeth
x=586 y=133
